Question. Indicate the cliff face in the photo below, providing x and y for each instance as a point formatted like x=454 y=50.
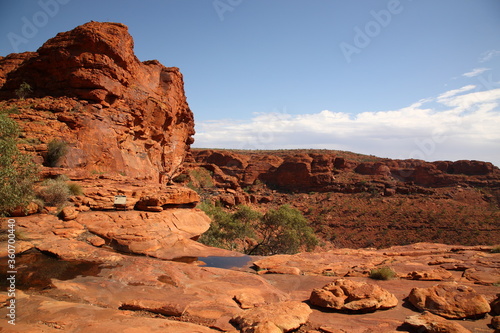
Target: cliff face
x=328 y=171
x=88 y=88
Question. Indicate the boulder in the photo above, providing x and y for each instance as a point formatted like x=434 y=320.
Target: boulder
x=277 y=317
x=450 y=301
x=437 y=274
x=168 y=197
x=168 y=234
x=30 y=209
x=429 y=323
x=68 y=213
x=349 y=295
x=483 y=275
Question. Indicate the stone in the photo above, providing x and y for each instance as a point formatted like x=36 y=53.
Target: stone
x=168 y=196
x=483 y=275
x=438 y=274
x=249 y=300
x=285 y=270
x=96 y=241
x=427 y=322
x=277 y=317
x=451 y=301
x=30 y=209
x=349 y=295
x=68 y=213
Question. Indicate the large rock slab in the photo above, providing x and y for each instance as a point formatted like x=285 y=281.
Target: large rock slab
x=159 y=234
x=352 y=296
x=429 y=323
x=42 y=314
x=280 y=317
x=450 y=301
x=185 y=291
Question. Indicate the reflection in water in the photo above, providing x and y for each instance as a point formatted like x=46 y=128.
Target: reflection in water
x=225 y=262
x=35 y=270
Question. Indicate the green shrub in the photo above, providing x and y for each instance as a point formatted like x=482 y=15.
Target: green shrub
x=182 y=178
x=383 y=273
x=23 y=91
x=201 y=179
x=75 y=189
x=228 y=230
x=280 y=231
x=18 y=172
x=55 y=192
x=284 y=231
x=57 y=149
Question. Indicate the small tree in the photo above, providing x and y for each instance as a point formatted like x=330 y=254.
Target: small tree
x=18 y=172
x=284 y=231
x=23 y=91
x=228 y=230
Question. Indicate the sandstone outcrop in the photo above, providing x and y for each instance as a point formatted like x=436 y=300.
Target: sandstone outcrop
x=347 y=295
x=117 y=114
x=280 y=317
x=427 y=322
x=325 y=171
x=450 y=301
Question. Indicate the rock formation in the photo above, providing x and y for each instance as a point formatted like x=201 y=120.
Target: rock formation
x=117 y=114
x=324 y=171
x=450 y=301
x=348 y=295
x=427 y=322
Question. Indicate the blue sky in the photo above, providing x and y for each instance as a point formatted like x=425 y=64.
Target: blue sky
x=392 y=78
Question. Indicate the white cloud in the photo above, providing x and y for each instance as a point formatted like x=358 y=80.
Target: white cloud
x=488 y=55
x=445 y=96
x=460 y=125
x=476 y=72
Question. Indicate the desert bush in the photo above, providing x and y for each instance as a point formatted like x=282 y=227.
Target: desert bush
x=56 y=150
x=495 y=249
x=55 y=192
x=284 y=231
x=280 y=231
x=383 y=273
x=18 y=172
x=182 y=178
x=23 y=91
x=75 y=189
x=227 y=230
x=201 y=178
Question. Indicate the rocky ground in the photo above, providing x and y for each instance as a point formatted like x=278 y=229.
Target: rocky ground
x=95 y=288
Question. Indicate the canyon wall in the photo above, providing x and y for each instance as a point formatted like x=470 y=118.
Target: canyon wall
x=117 y=114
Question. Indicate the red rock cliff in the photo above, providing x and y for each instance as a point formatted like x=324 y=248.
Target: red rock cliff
x=118 y=114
